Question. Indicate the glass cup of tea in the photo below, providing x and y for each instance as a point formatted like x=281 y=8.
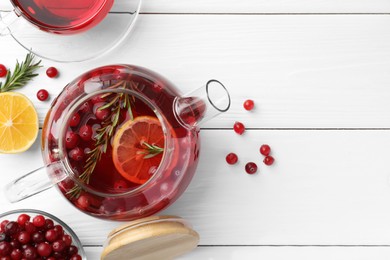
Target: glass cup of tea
x=120 y=142
x=69 y=30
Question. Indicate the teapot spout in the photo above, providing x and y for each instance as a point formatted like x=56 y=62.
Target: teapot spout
x=202 y=104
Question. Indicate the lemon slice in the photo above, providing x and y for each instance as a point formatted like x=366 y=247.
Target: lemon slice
x=18 y=123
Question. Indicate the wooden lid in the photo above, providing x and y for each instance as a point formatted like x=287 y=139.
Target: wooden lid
x=156 y=237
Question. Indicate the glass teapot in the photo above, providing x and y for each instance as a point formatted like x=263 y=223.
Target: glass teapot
x=121 y=143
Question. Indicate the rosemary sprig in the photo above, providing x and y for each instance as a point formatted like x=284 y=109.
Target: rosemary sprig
x=103 y=137
x=21 y=75
x=151 y=150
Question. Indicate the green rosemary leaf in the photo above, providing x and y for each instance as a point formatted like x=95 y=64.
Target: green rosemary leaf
x=22 y=74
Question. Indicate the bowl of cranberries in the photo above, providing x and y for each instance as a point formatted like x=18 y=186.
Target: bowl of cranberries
x=32 y=234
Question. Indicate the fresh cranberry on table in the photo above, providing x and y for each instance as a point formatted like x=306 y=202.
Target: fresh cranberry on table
x=52 y=72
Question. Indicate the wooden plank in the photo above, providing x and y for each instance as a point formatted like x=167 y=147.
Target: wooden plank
x=266 y=6
x=302 y=71
x=326 y=188
x=276 y=253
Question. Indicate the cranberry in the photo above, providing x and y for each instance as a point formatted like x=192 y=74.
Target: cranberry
x=5 y=248
x=71 y=140
x=16 y=254
x=44 y=249
x=5 y=258
x=3 y=237
x=67 y=239
x=15 y=243
x=97 y=99
x=3 y=71
x=268 y=160
x=51 y=258
x=75 y=257
x=59 y=230
x=39 y=221
x=76 y=154
x=37 y=237
x=86 y=132
x=120 y=185
x=265 y=149
x=51 y=235
x=251 y=168
x=85 y=107
x=30 y=253
x=58 y=246
x=23 y=218
x=74 y=120
x=249 y=104
x=11 y=228
x=231 y=158
x=24 y=237
x=42 y=94
x=83 y=202
x=49 y=224
x=73 y=250
x=102 y=114
x=239 y=128
x=52 y=72
x=3 y=224
x=29 y=227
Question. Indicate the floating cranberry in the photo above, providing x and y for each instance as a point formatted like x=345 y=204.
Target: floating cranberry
x=231 y=158
x=86 y=107
x=44 y=249
x=39 y=221
x=16 y=254
x=269 y=160
x=22 y=219
x=5 y=248
x=30 y=253
x=3 y=71
x=86 y=132
x=76 y=154
x=239 y=128
x=24 y=237
x=265 y=149
x=11 y=228
x=52 y=72
x=83 y=202
x=42 y=94
x=74 y=120
x=51 y=235
x=120 y=185
x=97 y=99
x=251 y=168
x=249 y=104
x=71 y=140
x=102 y=114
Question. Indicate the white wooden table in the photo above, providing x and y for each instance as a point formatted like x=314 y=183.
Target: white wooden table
x=319 y=73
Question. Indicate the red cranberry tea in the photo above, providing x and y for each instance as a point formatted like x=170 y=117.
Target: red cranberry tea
x=64 y=16
x=128 y=154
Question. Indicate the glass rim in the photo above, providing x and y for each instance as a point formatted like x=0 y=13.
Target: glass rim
x=65 y=160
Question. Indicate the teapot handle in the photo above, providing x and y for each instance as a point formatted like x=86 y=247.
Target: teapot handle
x=7 y=18
x=34 y=182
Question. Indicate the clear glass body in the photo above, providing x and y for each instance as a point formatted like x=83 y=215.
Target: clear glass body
x=154 y=97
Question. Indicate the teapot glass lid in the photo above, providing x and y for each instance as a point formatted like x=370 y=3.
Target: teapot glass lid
x=71 y=47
